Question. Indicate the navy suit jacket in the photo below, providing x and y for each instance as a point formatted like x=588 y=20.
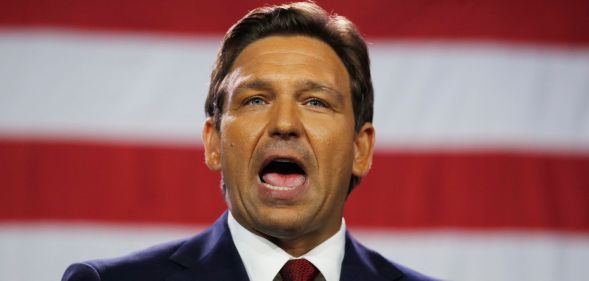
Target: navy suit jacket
x=212 y=255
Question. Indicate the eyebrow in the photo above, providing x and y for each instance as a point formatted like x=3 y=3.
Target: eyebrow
x=310 y=85
x=257 y=84
x=304 y=85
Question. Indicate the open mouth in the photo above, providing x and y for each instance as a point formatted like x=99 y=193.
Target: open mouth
x=283 y=174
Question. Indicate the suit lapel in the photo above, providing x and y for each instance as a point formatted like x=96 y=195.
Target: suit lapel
x=362 y=264
x=210 y=256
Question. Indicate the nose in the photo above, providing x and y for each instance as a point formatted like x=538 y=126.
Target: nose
x=285 y=121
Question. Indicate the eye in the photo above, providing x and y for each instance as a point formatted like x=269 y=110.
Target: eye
x=255 y=101
x=316 y=103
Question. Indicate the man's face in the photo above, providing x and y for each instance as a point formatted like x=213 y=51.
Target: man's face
x=286 y=146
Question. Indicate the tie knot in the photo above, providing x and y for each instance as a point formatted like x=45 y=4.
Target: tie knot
x=298 y=270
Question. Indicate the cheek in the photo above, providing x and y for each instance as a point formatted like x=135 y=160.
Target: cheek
x=238 y=141
x=234 y=135
x=333 y=146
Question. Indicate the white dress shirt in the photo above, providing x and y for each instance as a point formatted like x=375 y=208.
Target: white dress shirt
x=263 y=259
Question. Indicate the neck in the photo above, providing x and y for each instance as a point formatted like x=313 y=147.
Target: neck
x=300 y=245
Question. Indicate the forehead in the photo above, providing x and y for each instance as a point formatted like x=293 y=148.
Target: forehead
x=291 y=58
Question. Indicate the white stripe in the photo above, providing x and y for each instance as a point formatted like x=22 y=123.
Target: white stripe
x=139 y=87
x=43 y=251
x=474 y=94
x=455 y=255
x=103 y=86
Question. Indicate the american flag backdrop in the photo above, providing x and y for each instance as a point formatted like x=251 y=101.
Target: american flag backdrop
x=481 y=168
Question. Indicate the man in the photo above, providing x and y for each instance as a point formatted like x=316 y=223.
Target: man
x=289 y=128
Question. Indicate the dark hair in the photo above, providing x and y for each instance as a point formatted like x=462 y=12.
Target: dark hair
x=301 y=18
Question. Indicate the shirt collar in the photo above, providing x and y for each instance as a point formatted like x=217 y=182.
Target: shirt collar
x=263 y=259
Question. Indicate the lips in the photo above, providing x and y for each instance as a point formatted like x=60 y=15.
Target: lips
x=282 y=173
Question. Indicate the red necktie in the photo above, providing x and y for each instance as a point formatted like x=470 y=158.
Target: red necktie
x=298 y=270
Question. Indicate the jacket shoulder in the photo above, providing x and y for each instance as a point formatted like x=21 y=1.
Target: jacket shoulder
x=387 y=268
x=412 y=275
x=80 y=272
x=149 y=264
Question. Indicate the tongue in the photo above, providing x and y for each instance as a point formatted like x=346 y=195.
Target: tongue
x=286 y=180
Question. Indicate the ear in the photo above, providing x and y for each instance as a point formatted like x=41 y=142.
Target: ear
x=363 y=147
x=212 y=142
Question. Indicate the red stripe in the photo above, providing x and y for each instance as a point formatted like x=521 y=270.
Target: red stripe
x=133 y=183
x=562 y=22
x=475 y=190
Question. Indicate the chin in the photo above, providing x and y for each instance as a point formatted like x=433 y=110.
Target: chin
x=283 y=224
